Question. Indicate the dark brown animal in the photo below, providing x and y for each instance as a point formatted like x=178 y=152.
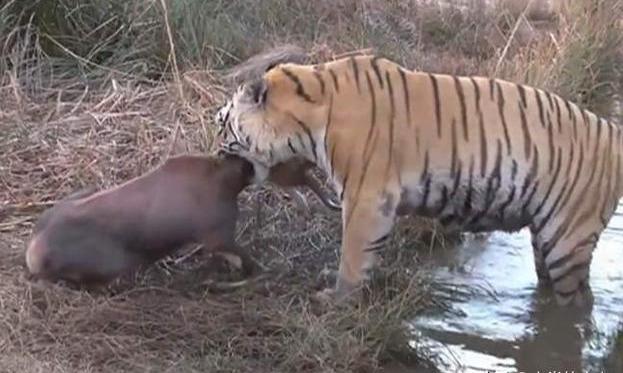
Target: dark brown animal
x=91 y=238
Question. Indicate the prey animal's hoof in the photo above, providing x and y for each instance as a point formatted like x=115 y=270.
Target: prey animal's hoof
x=326 y=278
x=325 y=297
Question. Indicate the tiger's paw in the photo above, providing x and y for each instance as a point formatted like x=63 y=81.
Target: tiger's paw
x=581 y=299
x=343 y=294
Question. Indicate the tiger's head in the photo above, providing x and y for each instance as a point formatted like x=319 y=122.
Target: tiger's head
x=276 y=117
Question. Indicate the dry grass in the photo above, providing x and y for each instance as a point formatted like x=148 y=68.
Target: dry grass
x=75 y=113
x=169 y=318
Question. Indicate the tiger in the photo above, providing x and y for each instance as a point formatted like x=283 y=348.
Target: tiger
x=477 y=154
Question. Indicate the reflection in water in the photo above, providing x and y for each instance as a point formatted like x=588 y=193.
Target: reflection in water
x=508 y=324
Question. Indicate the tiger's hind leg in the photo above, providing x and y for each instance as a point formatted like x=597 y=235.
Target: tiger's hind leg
x=539 y=264
x=565 y=263
x=366 y=229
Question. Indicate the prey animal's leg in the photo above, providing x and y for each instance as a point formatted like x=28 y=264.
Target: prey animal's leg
x=220 y=241
x=238 y=258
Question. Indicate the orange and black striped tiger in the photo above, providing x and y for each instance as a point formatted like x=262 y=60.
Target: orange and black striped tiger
x=476 y=153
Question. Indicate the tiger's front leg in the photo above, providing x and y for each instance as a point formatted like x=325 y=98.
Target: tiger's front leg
x=366 y=225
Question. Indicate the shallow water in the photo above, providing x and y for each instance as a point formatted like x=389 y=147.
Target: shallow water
x=504 y=323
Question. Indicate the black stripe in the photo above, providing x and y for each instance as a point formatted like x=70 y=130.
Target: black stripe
x=590 y=212
x=550 y=188
x=417 y=137
x=377 y=244
x=483 y=139
x=497 y=172
x=588 y=126
x=424 y=173
x=329 y=122
x=574 y=268
x=444 y=199
x=514 y=169
x=491 y=190
x=353 y=63
x=320 y=81
x=550 y=138
x=558 y=119
x=461 y=95
x=467 y=206
x=347 y=170
x=527 y=141
x=550 y=213
x=392 y=108
x=539 y=104
x=300 y=140
x=566 y=225
x=567 y=294
x=457 y=179
x=426 y=192
x=454 y=157
x=617 y=170
x=568 y=108
x=522 y=95
x=292 y=149
x=590 y=240
x=534 y=168
x=373 y=114
x=270 y=150
x=336 y=84
x=332 y=160
x=504 y=125
x=380 y=241
x=574 y=180
x=433 y=80
x=528 y=201
x=307 y=131
x=549 y=100
x=492 y=89
x=573 y=119
x=495 y=177
x=345 y=180
x=362 y=177
x=299 y=86
x=571 y=253
x=607 y=195
x=377 y=71
x=405 y=89
x=426 y=179
x=598 y=137
x=368 y=150
x=507 y=203
x=610 y=161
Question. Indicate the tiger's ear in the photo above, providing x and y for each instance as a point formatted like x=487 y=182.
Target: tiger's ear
x=256 y=91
